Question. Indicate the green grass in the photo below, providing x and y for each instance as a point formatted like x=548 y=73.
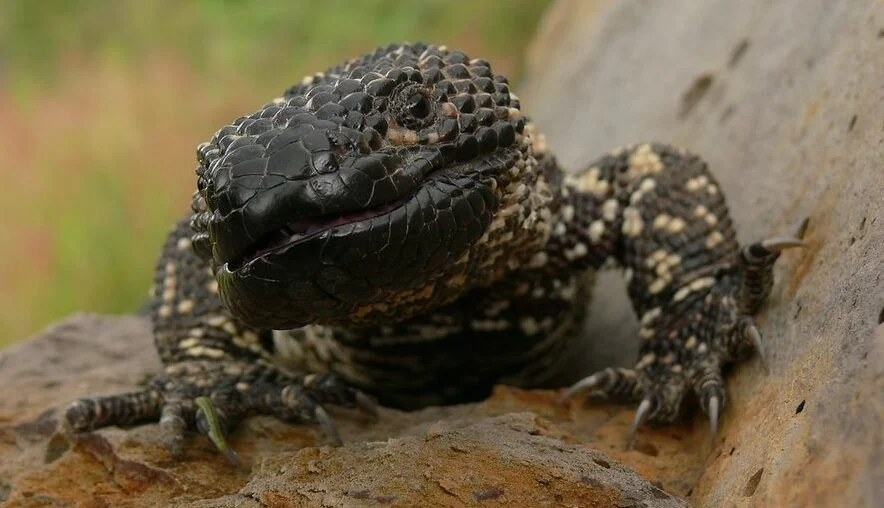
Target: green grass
x=102 y=104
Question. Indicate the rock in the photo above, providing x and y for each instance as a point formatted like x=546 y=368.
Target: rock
x=517 y=447
x=784 y=99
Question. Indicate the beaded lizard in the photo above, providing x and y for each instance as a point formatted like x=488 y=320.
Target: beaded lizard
x=395 y=226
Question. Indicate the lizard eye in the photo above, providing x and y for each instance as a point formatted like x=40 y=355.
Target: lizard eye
x=414 y=108
x=418 y=106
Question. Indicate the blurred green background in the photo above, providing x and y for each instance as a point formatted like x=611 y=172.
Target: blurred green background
x=102 y=104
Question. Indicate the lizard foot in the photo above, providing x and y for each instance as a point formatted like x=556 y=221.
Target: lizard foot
x=210 y=397
x=686 y=342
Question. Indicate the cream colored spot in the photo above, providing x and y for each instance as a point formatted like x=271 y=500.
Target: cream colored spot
x=229 y=327
x=590 y=181
x=212 y=286
x=189 y=343
x=169 y=295
x=645 y=361
x=702 y=348
x=609 y=210
x=700 y=211
x=681 y=294
x=691 y=343
x=657 y=286
x=578 y=251
x=539 y=259
x=647 y=185
x=529 y=325
x=649 y=316
x=655 y=257
x=676 y=225
x=711 y=219
x=568 y=213
x=702 y=283
x=165 y=311
x=205 y=351
x=714 y=239
x=216 y=321
x=596 y=230
x=644 y=160
x=183 y=243
x=632 y=222
x=695 y=184
x=185 y=306
x=661 y=221
x=711 y=189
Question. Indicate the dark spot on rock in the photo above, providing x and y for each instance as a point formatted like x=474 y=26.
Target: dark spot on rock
x=5 y=489
x=851 y=241
x=737 y=53
x=592 y=482
x=798 y=308
x=543 y=481
x=881 y=33
x=690 y=491
x=800 y=407
x=862 y=224
x=484 y=495
x=881 y=317
x=693 y=95
x=752 y=484
x=659 y=493
x=647 y=449
x=359 y=494
x=727 y=113
x=732 y=450
x=604 y=463
x=852 y=123
x=385 y=499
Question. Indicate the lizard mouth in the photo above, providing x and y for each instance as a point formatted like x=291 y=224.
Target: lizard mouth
x=303 y=229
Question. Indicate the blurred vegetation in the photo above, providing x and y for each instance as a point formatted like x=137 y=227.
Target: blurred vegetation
x=102 y=104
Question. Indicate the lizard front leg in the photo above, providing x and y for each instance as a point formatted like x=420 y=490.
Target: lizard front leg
x=217 y=370
x=660 y=213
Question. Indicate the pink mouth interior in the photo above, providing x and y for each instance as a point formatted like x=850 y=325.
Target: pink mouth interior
x=302 y=228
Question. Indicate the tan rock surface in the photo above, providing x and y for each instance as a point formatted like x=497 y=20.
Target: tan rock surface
x=785 y=101
x=518 y=447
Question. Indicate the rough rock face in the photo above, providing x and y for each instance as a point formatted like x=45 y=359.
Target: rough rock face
x=516 y=448
x=785 y=101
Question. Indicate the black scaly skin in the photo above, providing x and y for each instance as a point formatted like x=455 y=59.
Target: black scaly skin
x=395 y=226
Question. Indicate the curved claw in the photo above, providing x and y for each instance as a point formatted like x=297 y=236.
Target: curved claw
x=326 y=422
x=215 y=429
x=367 y=405
x=714 y=406
x=586 y=383
x=754 y=337
x=781 y=243
x=641 y=414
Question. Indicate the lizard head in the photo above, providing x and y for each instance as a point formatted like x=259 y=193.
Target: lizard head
x=367 y=191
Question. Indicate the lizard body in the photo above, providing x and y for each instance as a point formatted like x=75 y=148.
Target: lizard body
x=396 y=226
